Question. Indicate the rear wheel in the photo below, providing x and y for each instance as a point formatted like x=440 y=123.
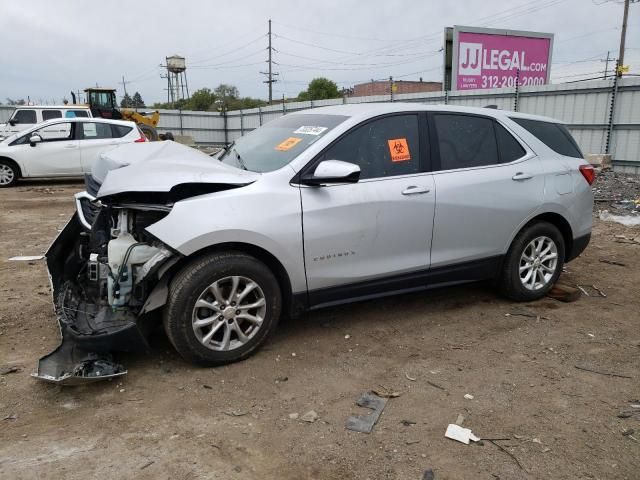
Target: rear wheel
x=221 y=308
x=149 y=132
x=9 y=174
x=534 y=262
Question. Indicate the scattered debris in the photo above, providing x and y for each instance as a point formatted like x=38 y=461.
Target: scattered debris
x=413 y=379
x=525 y=312
x=628 y=431
x=625 y=239
x=468 y=396
x=595 y=291
x=148 y=464
x=608 y=374
x=460 y=419
x=293 y=416
x=347 y=336
x=436 y=386
x=309 y=417
x=407 y=423
x=7 y=370
x=26 y=258
x=613 y=262
x=365 y=423
x=564 y=293
x=515 y=459
x=428 y=475
x=460 y=434
x=385 y=392
x=236 y=413
x=281 y=379
x=12 y=416
x=208 y=387
x=412 y=442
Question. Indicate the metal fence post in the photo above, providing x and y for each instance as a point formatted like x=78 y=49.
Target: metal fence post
x=180 y=117
x=391 y=88
x=226 y=130
x=260 y=115
x=446 y=97
x=241 y=123
x=517 y=92
x=612 y=112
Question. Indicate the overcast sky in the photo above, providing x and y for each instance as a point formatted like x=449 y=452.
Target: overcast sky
x=51 y=47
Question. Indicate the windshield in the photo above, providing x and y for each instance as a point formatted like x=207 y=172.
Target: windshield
x=275 y=144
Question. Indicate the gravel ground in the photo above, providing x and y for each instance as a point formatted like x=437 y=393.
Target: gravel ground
x=170 y=420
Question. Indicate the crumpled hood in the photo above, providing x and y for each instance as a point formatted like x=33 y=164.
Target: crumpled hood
x=160 y=166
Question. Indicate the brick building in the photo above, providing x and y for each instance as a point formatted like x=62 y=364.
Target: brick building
x=400 y=86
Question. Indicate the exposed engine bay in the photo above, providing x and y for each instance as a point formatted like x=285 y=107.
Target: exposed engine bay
x=102 y=279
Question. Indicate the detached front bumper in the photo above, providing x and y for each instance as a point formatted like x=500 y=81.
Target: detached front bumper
x=89 y=332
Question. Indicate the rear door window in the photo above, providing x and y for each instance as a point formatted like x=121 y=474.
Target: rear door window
x=385 y=147
x=465 y=141
x=25 y=116
x=553 y=135
x=51 y=114
x=96 y=131
x=79 y=113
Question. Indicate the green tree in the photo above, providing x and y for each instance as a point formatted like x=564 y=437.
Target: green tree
x=320 y=89
x=126 y=101
x=137 y=100
x=202 y=99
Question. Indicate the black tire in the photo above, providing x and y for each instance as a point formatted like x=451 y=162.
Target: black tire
x=149 y=132
x=9 y=173
x=193 y=280
x=169 y=136
x=509 y=282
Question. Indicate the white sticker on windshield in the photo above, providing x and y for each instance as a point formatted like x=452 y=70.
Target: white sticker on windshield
x=305 y=130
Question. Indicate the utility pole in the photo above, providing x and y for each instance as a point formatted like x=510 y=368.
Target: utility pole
x=623 y=37
x=124 y=86
x=270 y=74
x=606 y=64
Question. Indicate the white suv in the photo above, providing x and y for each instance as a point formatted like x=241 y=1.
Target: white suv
x=316 y=208
x=24 y=117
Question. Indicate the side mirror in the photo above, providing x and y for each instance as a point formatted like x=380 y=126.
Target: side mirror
x=13 y=122
x=332 y=171
x=34 y=139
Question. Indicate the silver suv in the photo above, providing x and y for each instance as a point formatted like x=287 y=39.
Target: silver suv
x=316 y=208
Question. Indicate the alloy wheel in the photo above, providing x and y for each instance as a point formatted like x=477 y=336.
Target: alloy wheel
x=538 y=263
x=228 y=313
x=6 y=175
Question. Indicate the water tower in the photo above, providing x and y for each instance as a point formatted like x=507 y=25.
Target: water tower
x=177 y=86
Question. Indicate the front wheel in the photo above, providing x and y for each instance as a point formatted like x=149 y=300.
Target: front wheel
x=149 y=132
x=533 y=263
x=221 y=308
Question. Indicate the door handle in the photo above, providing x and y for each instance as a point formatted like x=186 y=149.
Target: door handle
x=415 y=190
x=70 y=146
x=521 y=176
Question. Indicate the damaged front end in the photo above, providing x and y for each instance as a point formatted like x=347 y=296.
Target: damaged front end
x=103 y=268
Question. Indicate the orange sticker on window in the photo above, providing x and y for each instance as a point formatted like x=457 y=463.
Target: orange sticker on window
x=399 y=150
x=288 y=144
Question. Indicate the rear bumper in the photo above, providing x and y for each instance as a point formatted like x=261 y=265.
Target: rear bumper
x=579 y=245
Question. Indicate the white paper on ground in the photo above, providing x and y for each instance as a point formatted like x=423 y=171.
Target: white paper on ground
x=461 y=434
x=627 y=220
x=26 y=258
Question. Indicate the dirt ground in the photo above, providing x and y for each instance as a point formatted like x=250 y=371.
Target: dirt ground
x=170 y=420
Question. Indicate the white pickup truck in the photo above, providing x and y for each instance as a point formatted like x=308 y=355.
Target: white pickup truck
x=27 y=116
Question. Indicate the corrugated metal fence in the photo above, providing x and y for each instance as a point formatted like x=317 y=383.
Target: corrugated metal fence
x=598 y=113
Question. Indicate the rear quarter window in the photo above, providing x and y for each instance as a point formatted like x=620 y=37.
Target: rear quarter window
x=553 y=135
x=120 y=131
x=51 y=114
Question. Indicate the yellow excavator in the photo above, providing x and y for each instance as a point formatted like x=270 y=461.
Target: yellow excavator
x=102 y=103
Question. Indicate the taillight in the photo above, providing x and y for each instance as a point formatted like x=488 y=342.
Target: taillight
x=588 y=173
x=142 y=138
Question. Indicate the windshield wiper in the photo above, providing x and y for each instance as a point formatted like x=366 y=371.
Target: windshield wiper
x=240 y=162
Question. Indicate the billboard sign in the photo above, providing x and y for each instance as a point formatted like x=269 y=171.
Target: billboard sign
x=492 y=58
